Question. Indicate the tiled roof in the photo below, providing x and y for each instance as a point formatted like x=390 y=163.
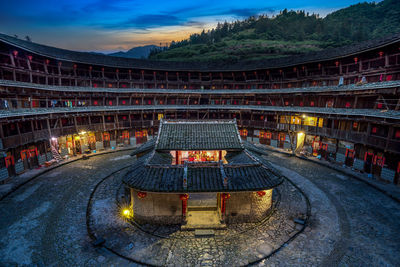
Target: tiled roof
x=204 y=177
x=198 y=135
x=371 y=113
x=238 y=157
x=149 y=145
x=103 y=60
x=160 y=158
x=313 y=89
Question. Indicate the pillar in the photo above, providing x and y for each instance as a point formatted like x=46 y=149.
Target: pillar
x=224 y=197
x=184 y=198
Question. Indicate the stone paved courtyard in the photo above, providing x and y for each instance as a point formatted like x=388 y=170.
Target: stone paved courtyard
x=44 y=223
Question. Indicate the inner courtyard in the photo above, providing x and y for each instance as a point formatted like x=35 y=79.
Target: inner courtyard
x=47 y=222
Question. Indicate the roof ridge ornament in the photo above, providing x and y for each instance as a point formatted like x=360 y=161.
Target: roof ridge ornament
x=223 y=174
x=159 y=131
x=185 y=174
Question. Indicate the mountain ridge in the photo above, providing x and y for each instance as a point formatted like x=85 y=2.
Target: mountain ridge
x=135 y=52
x=288 y=33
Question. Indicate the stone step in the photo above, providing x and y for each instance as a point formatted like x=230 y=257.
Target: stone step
x=204 y=232
x=202 y=208
x=195 y=227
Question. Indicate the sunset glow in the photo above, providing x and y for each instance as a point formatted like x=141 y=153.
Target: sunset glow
x=101 y=25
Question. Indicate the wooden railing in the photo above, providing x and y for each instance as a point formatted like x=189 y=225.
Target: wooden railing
x=354 y=137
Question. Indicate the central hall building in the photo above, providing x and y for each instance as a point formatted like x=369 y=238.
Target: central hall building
x=199 y=172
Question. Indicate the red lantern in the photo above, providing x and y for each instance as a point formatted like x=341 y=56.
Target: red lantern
x=337 y=63
x=261 y=193
x=397 y=134
x=184 y=196
x=123 y=102
x=30 y=58
x=47 y=62
x=356 y=59
x=226 y=195
x=380 y=53
x=141 y=195
x=15 y=53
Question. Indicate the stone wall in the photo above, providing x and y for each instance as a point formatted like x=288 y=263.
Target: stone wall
x=247 y=206
x=157 y=208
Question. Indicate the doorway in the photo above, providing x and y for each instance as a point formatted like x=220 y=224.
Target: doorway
x=203 y=211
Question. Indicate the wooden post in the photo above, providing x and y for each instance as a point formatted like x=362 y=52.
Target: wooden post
x=104 y=122
x=76 y=124
x=59 y=73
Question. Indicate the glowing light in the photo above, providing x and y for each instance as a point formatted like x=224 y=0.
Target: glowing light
x=54 y=138
x=126 y=213
x=304 y=116
x=82 y=133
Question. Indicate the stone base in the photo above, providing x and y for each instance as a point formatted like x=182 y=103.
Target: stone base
x=246 y=218
x=160 y=220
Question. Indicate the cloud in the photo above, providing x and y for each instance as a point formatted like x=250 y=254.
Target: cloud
x=153 y=20
x=145 y=22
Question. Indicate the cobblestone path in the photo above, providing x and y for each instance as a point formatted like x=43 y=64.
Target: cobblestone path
x=369 y=220
x=44 y=223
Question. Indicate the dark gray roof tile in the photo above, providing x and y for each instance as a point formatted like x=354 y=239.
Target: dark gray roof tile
x=119 y=62
x=198 y=135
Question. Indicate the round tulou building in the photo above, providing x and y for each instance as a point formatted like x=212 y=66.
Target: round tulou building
x=338 y=104
x=199 y=173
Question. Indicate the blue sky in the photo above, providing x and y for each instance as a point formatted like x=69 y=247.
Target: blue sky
x=112 y=25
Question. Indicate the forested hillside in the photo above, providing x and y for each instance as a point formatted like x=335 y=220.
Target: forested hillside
x=290 y=32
